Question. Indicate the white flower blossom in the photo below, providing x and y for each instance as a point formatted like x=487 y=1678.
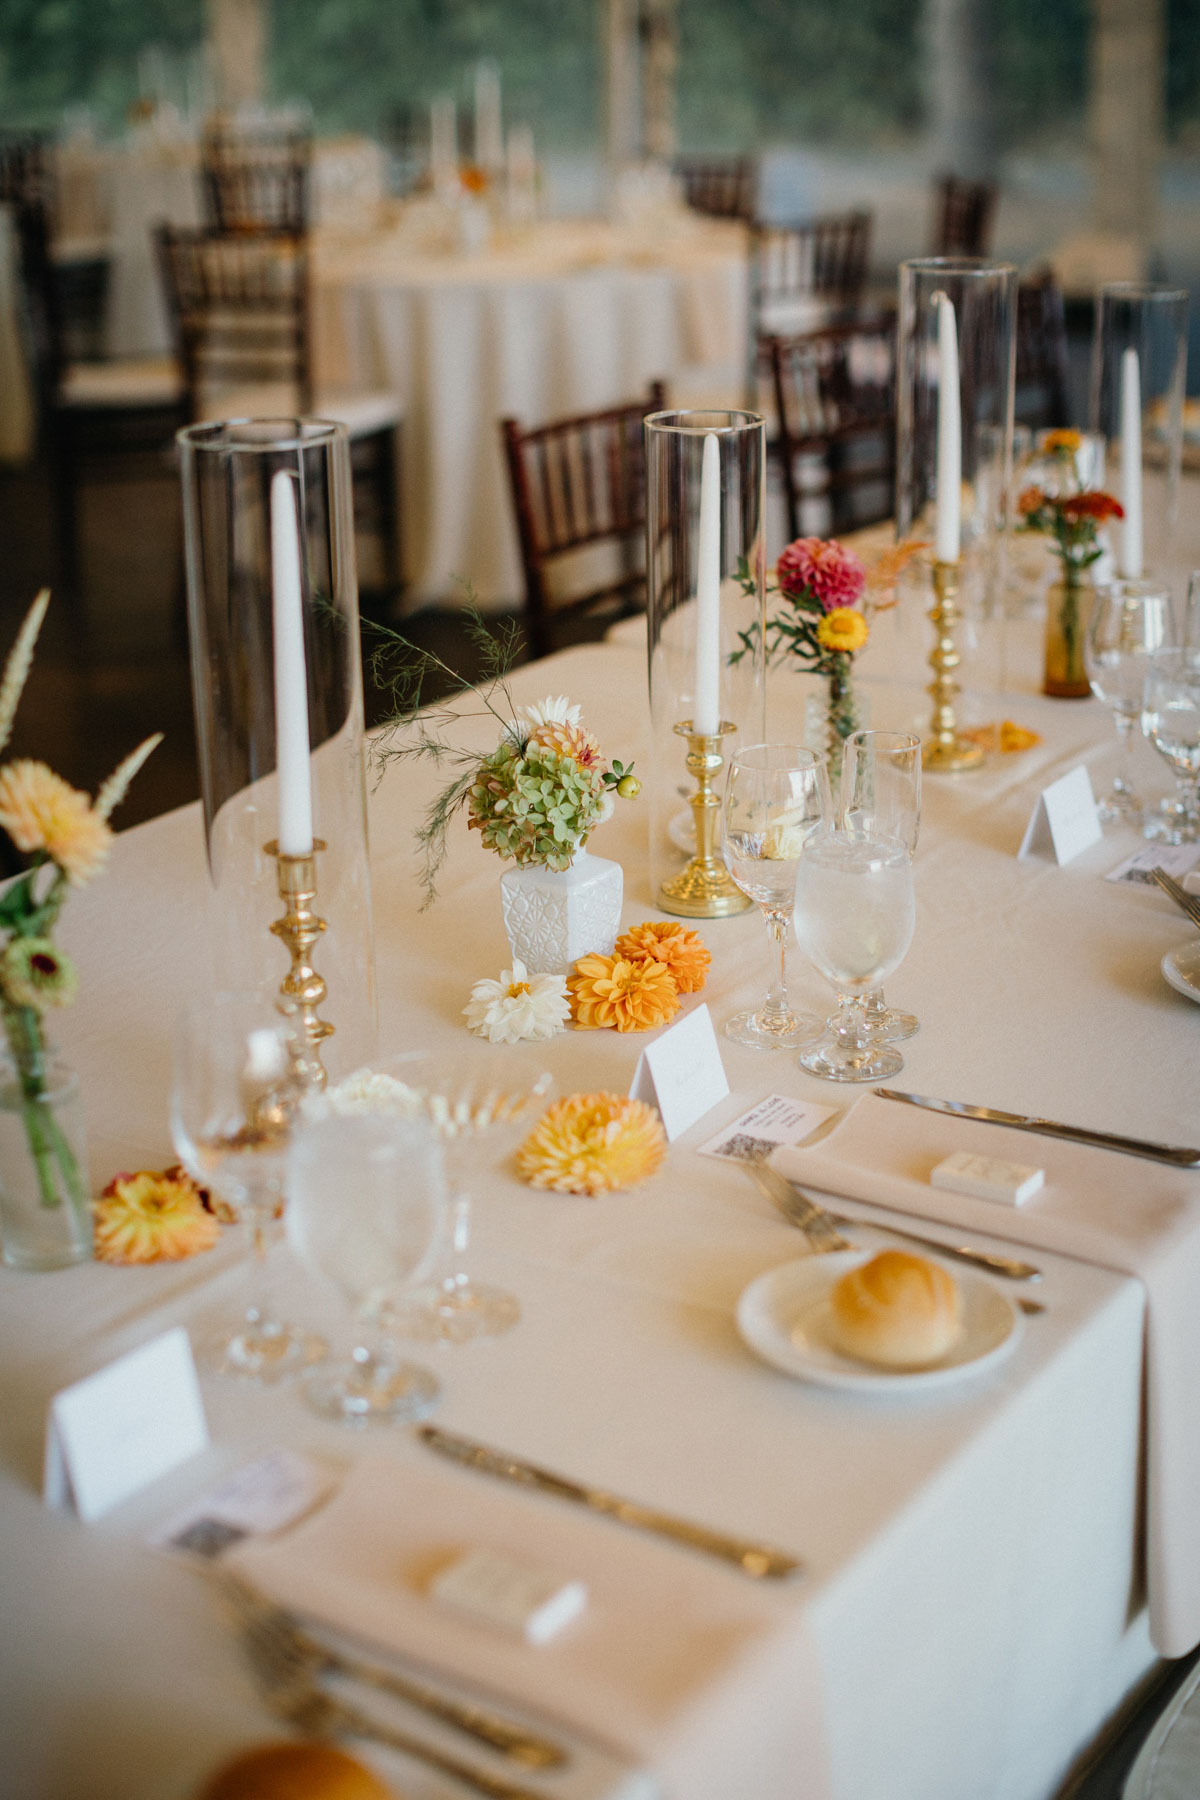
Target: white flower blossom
x=519 y=1008
x=551 y=711
x=367 y=1091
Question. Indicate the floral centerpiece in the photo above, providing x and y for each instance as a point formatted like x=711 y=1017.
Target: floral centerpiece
x=66 y=837
x=820 y=628
x=1071 y=516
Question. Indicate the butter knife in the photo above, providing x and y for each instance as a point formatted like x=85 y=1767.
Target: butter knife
x=1179 y=1155
x=759 y=1561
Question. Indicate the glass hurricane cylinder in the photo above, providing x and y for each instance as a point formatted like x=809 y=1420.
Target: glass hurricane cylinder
x=1139 y=369
x=705 y=623
x=227 y=471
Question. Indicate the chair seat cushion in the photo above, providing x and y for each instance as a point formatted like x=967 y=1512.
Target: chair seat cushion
x=127 y=382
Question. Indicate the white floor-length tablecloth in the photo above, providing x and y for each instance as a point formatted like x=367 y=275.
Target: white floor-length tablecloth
x=974 y=1599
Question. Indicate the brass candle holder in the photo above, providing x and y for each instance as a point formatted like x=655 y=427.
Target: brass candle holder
x=704 y=888
x=302 y=991
x=943 y=750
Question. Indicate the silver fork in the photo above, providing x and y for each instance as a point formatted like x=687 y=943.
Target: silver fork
x=1187 y=903
x=286 y=1656
x=317 y=1713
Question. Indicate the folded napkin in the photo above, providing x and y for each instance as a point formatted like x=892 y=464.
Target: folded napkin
x=685 y=1666
x=1121 y=1212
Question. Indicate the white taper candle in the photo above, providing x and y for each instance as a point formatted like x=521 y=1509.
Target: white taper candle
x=948 y=511
x=291 y=673
x=1130 y=559
x=706 y=705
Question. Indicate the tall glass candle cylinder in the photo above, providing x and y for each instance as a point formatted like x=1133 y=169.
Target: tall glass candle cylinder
x=277 y=678
x=1139 y=368
x=705 y=475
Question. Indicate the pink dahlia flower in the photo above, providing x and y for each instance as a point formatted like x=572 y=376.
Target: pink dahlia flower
x=821 y=566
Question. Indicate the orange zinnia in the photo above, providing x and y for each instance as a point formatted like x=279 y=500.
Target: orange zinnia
x=591 y=1144
x=149 y=1217
x=629 y=996
x=684 y=952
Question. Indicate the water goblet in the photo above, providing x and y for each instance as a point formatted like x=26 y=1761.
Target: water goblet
x=233 y=1102
x=854 y=919
x=1171 y=720
x=881 y=797
x=776 y=795
x=1131 y=621
x=365 y=1196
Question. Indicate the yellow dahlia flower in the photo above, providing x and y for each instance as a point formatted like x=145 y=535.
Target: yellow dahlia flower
x=684 y=952
x=152 y=1217
x=591 y=1144
x=41 y=811
x=629 y=996
x=1066 y=441
x=842 y=629
x=570 y=740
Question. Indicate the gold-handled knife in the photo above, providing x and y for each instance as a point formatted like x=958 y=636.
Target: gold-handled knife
x=759 y=1561
x=1180 y=1155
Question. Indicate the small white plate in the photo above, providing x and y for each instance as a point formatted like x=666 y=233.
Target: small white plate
x=784 y=1317
x=1182 y=968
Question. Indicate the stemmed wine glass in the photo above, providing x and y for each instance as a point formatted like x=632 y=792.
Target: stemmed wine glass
x=776 y=795
x=1131 y=621
x=233 y=1100
x=1171 y=720
x=854 y=918
x=881 y=797
x=365 y=1195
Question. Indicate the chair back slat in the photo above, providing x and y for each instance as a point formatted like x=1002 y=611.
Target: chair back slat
x=723 y=187
x=257 y=181
x=824 y=259
x=964 y=212
x=576 y=483
x=835 y=398
x=1042 y=363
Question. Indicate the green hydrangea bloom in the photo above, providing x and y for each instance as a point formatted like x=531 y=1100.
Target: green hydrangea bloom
x=531 y=804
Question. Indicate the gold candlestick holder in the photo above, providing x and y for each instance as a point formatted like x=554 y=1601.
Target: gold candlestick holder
x=704 y=888
x=302 y=991
x=943 y=750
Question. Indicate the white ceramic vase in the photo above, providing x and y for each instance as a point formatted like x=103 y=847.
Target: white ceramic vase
x=553 y=916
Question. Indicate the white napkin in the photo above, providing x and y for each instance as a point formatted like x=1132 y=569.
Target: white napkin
x=1121 y=1212
x=688 y=1667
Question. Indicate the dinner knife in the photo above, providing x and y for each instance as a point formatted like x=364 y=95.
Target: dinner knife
x=759 y=1561
x=1177 y=1154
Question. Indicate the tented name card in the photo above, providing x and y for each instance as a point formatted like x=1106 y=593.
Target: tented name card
x=115 y=1431
x=1065 y=821
x=681 y=1073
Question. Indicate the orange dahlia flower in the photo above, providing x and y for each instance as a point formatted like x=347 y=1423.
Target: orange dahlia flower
x=41 y=811
x=591 y=1144
x=629 y=996
x=149 y=1217
x=684 y=952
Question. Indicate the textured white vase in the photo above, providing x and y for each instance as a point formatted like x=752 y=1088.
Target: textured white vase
x=553 y=917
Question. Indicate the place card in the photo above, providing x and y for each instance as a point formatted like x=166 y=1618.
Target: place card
x=1065 y=820
x=121 y=1428
x=681 y=1073
x=779 y=1119
x=1176 y=859
x=260 y=1498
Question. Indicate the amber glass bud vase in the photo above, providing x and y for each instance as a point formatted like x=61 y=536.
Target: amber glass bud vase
x=1068 y=615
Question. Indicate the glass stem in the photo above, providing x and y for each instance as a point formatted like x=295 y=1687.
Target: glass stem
x=849 y=1027
x=775 y=1006
x=259 y=1316
x=1123 y=780
x=874 y=1007
x=460 y=1240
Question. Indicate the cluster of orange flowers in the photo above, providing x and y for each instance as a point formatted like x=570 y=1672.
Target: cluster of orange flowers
x=640 y=985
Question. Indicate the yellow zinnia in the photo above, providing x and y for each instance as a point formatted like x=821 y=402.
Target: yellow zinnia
x=41 y=811
x=683 y=951
x=591 y=1144
x=842 y=629
x=629 y=996
x=1066 y=441
x=149 y=1217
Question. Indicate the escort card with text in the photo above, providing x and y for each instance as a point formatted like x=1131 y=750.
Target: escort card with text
x=681 y=1073
x=1065 y=820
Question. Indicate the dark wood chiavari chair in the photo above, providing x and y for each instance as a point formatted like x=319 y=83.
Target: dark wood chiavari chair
x=802 y=276
x=256 y=181
x=239 y=308
x=1042 y=363
x=579 y=484
x=723 y=187
x=835 y=393
x=964 y=213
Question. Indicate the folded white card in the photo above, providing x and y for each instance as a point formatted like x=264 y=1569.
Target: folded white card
x=1065 y=820
x=113 y=1432
x=681 y=1073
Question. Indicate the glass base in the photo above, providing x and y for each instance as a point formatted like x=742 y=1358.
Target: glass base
x=894 y=1027
x=371 y=1390
x=1119 y=807
x=789 y=1032
x=835 y=1061
x=1170 y=823
x=455 y=1311
x=266 y=1350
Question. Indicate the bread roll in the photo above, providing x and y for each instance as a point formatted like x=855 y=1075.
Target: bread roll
x=294 y=1772
x=897 y=1310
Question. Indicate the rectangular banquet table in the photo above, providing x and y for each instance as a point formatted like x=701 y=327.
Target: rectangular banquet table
x=974 y=1592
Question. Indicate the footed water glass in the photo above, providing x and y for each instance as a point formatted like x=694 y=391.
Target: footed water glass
x=1171 y=720
x=881 y=797
x=1131 y=621
x=854 y=920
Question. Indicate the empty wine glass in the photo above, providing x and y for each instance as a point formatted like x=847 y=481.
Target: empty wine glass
x=1131 y=621
x=365 y=1194
x=1171 y=720
x=854 y=919
x=776 y=795
x=881 y=797
x=233 y=1100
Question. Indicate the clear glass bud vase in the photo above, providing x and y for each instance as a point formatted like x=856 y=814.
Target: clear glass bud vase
x=45 y=1209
